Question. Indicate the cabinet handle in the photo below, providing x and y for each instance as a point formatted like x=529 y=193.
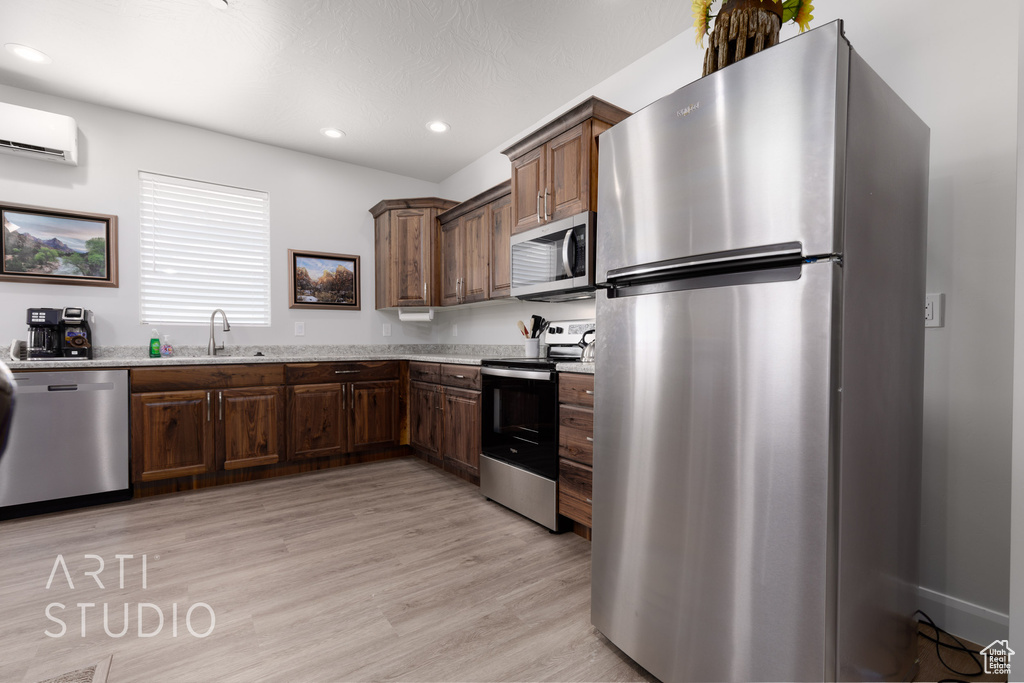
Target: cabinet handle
x=590 y=439
x=207 y=406
x=545 y=203
x=424 y=291
x=589 y=392
x=590 y=501
x=344 y=403
x=460 y=377
x=220 y=406
x=538 y=206
x=345 y=372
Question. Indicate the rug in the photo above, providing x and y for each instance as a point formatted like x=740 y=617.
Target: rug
x=97 y=673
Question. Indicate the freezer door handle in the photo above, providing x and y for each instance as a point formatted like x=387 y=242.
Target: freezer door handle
x=752 y=258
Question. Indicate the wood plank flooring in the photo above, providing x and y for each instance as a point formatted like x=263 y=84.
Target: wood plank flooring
x=385 y=571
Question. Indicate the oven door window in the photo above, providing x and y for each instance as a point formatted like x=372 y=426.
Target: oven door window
x=520 y=424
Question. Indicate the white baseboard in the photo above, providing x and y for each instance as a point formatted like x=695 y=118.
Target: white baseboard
x=964 y=619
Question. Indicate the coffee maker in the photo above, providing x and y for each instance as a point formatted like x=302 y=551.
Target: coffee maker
x=75 y=334
x=59 y=333
x=44 y=333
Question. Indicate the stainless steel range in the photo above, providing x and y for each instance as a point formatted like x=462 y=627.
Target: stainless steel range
x=519 y=459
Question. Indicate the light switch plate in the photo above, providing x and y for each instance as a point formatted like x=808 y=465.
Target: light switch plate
x=387 y=329
x=455 y=329
x=934 y=310
x=300 y=329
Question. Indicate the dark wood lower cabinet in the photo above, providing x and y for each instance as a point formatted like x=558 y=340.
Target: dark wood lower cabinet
x=576 y=449
x=373 y=414
x=172 y=434
x=461 y=440
x=250 y=426
x=316 y=424
x=425 y=410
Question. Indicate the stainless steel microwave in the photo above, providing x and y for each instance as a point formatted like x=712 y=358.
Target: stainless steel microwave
x=555 y=262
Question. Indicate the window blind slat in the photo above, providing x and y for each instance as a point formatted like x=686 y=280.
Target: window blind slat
x=204 y=246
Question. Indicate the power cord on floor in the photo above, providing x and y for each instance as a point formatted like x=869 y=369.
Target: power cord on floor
x=959 y=647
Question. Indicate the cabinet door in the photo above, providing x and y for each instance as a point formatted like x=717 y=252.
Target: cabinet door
x=316 y=421
x=382 y=259
x=424 y=405
x=172 y=434
x=374 y=413
x=501 y=247
x=476 y=240
x=568 y=181
x=461 y=439
x=411 y=265
x=451 y=262
x=528 y=184
x=251 y=426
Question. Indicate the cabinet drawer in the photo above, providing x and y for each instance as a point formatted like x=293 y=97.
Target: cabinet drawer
x=356 y=371
x=185 y=377
x=576 y=434
x=425 y=372
x=576 y=389
x=464 y=376
x=575 y=488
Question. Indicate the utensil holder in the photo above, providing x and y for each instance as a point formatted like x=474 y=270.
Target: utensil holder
x=532 y=348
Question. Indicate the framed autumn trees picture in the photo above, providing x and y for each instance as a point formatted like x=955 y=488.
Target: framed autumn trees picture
x=322 y=280
x=54 y=246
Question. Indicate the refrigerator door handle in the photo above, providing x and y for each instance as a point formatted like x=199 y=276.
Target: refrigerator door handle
x=752 y=258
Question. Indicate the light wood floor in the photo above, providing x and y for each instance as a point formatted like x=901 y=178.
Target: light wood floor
x=385 y=571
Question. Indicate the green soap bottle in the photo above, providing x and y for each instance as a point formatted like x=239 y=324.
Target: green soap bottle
x=154 y=344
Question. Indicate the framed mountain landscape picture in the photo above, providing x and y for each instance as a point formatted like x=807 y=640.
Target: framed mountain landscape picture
x=53 y=246
x=322 y=280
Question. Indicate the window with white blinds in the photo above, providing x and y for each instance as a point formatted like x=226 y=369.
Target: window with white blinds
x=204 y=246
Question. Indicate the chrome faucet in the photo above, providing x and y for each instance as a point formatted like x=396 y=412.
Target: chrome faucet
x=212 y=348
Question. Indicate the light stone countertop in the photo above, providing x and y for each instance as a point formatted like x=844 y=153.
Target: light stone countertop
x=133 y=357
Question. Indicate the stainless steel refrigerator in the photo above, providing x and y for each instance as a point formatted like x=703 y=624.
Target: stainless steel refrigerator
x=761 y=238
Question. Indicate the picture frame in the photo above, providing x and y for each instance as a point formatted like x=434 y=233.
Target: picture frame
x=57 y=247
x=318 y=279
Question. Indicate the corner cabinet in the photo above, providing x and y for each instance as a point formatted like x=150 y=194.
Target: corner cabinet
x=475 y=248
x=406 y=268
x=554 y=169
x=196 y=420
x=444 y=416
x=340 y=408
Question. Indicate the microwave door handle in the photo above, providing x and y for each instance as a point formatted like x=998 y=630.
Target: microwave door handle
x=569 y=241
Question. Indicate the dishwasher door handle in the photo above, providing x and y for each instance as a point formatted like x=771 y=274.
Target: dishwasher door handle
x=62 y=387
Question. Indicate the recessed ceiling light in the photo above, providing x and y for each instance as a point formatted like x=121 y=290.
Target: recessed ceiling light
x=438 y=126
x=332 y=132
x=28 y=53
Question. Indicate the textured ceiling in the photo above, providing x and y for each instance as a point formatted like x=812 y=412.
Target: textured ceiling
x=277 y=71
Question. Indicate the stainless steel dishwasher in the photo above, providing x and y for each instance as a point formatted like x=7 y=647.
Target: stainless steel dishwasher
x=68 y=443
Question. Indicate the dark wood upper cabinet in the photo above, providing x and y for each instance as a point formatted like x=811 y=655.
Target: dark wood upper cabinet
x=470 y=245
x=406 y=251
x=501 y=247
x=554 y=169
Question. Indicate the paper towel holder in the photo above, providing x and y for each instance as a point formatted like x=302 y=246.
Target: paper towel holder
x=416 y=315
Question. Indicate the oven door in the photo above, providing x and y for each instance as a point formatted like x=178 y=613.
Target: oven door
x=520 y=418
x=554 y=258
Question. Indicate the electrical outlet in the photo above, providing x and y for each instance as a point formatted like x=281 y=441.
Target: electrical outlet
x=300 y=329
x=455 y=329
x=387 y=329
x=934 y=310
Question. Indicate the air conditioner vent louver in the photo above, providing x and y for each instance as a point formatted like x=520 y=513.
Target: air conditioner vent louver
x=38 y=134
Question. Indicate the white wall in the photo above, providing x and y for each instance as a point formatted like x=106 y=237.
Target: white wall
x=929 y=53
x=315 y=203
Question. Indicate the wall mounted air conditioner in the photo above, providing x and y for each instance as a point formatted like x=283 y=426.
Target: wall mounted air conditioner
x=38 y=134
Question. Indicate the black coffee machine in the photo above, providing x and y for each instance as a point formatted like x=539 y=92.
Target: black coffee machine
x=59 y=333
